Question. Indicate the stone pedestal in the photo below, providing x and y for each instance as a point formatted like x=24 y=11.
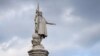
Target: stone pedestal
x=38 y=52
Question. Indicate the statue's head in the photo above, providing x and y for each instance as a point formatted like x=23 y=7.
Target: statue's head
x=40 y=13
x=37 y=12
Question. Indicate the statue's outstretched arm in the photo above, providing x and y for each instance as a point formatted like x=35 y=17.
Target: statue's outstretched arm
x=50 y=23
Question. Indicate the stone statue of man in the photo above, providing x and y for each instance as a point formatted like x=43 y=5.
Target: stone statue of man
x=40 y=24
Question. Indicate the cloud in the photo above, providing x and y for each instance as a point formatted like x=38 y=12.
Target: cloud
x=89 y=36
x=69 y=18
x=76 y=32
x=13 y=12
x=15 y=47
x=84 y=42
x=84 y=36
x=15 y=21
x=87 y=8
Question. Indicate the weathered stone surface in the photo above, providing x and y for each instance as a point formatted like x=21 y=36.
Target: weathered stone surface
x=36 y=42
x=38 y=52
x=40 y=33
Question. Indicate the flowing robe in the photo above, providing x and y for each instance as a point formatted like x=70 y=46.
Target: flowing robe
x=40 y=25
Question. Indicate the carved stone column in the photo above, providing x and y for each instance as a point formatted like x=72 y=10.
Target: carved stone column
x=37 y=48
x=38 y=53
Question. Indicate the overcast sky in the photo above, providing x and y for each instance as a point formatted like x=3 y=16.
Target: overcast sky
x=77 y=30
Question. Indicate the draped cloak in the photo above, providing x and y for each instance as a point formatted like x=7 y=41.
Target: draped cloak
x=40 y=25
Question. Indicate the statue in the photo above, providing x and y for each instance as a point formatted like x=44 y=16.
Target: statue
x=40 y=24
x=40 y=28
x=40 y=33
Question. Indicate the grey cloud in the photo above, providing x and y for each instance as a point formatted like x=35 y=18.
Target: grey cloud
x=6 y=5
x=23 y=25
x=95 y=50
x=89 y=36
x=17 y=25
x=87 y=8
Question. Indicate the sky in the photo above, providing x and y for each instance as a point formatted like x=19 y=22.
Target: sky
x=76 y=33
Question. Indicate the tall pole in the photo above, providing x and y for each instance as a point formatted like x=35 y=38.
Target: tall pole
x=38 y=5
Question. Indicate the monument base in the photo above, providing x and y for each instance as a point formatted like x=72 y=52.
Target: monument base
x=38 y=52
